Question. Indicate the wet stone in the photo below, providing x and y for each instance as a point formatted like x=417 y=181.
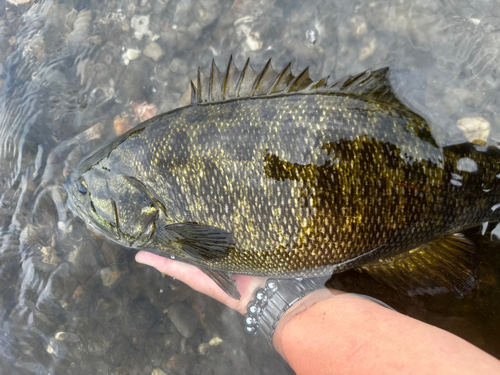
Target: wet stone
x=158 y=371
x=140 y=24
x=169 y=37
x=110 y=276
x=66 y=337
x=56 y=348
x=179 y=66
x=157 y=348
x=137 y=363
x=98 y=344
x=108 y=309
x=84 y=260
x=131 y=54
x=207 y=11
x=184 y=318
x=474 y=129
x=153 y=51
x=139 y=316
x=120 y=371
x=60 y=285
x=119 y=349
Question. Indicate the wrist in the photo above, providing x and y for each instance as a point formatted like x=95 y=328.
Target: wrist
x=273 y=301
x=304 y=304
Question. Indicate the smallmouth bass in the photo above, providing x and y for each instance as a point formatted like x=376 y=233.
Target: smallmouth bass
x=271 y=174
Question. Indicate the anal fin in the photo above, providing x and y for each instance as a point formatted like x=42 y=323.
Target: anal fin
x=225 y=281
x=446 y=264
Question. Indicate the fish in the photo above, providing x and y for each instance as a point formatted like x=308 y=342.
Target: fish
x=271 y=174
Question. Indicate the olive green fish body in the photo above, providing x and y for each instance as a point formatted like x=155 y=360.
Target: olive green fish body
x=291 y=184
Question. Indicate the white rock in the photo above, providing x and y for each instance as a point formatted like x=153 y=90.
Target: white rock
x=131 y=54
x=153 y=51
x=475 y=128
x=141 y=26
x=18 y=2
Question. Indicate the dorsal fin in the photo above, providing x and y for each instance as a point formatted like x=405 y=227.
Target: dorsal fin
x=373 y=85
x=300 y=82
x=265 y=80
x=245 y=83
x=233 y=83
x=231 y=80
x=283 y=80
x=215 y=83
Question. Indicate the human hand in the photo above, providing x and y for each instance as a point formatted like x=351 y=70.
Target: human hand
x=196 y=279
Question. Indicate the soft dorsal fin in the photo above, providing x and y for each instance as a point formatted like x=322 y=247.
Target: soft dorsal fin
x=446 y=264
x=233 y=83
x=373 y=85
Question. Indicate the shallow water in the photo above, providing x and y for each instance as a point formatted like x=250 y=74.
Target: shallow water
x=73 y=74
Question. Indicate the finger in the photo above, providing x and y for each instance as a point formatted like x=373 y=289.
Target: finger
x=199 y=281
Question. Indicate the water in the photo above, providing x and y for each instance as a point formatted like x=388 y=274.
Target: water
x=75 y=73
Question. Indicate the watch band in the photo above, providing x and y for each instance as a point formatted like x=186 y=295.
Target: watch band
x=271 y=303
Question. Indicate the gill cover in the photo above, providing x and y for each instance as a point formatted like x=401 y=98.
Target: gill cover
x=117 y=205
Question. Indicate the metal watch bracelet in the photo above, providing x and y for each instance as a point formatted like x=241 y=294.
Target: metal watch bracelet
x=271 y=303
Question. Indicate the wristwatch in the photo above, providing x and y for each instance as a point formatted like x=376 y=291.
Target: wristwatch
x=271 y=303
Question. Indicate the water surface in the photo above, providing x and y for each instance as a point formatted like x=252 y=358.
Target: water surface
x=75 y=73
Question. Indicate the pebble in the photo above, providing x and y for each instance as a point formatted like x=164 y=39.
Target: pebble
x=153 y=51
x=368 y=50
x=110 y=276
x=203 y=347
x=121 y=125
x=184 y=318
x=49 y=256
x=158 y=371
x=60 y=285
x=179 y=66
x=98 y=344
x=169 y=37
x=66 y=337
x=71 y=18
x=107 y=309
x=140 y=24
x=56 y=349
x=18 y=2
x=131 y=54
x=144 y=111
x=83 y=259
x=475 y=129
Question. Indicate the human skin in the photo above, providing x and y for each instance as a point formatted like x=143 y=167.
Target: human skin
x=332 y=332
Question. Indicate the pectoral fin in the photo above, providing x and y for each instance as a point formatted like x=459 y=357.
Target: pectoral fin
x=199 y=242
x=447 y=264
x=224 y=281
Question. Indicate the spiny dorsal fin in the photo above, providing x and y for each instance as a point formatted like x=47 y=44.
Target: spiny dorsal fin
x=246 y=83
x=446 y=264
x=247 y=78
x=283 y=80
x=300 y=82
x=216 y=83
x=231 y=80
x=232 y=84
x=265 y=80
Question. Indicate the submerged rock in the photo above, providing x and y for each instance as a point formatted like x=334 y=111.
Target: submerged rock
x=184 y=318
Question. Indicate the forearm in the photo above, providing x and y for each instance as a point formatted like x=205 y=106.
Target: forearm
x=325 y=334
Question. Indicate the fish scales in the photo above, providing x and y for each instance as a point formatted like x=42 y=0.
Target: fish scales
x=305 y=183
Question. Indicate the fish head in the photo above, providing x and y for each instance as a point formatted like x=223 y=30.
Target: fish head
x=116 y=205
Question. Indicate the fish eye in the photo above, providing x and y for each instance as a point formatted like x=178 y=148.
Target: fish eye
x=82 y=187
